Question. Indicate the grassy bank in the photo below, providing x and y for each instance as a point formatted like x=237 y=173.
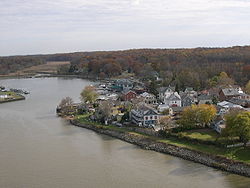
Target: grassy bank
x=240 y=153
x=12 y=96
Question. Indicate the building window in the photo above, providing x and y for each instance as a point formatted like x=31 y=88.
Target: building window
x=151 y=117
x=146 y=118
x=155 y=117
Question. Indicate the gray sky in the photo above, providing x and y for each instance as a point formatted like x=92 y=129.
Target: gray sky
x=49 y=26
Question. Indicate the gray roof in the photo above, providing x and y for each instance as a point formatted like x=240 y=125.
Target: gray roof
x=128 y=91
x=163 y=89
x=173 y=97
x=186 y=96
x=226 y=104
x=123 y=81
x=242 y=102
x=145 y=110
x=230 y=91
x=189 y=89
x=205 y=97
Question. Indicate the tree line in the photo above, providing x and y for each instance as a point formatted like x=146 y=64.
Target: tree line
x=196 y=67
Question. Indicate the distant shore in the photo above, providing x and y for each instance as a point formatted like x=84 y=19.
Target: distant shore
x=12 y=100
x=46 y=75
x=149 y=143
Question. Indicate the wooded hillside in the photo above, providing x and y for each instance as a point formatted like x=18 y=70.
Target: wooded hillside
x=183 y=67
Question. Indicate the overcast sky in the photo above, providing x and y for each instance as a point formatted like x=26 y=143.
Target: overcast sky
x=49 y=26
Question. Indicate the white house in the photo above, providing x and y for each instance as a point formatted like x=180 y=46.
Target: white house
x=173 y=100
x=145 y=116
x=165 y=92
x=149 y=98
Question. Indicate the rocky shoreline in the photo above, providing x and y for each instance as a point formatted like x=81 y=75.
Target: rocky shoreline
x=218 y=162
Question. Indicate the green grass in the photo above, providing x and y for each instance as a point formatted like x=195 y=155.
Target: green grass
x=240 y=153
x=208 y=135
x=202 y=134
x=12 y=95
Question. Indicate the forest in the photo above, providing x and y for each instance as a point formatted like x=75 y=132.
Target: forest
x=197 y=67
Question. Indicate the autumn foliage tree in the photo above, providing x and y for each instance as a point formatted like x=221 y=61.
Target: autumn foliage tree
x=247 y=89
x=197 y=116
x=89 y=94
x=66 y=105
x=238 y=124
x=165 y=122
x=224 y=79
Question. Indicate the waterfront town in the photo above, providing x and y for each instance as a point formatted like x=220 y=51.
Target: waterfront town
x=194 y=115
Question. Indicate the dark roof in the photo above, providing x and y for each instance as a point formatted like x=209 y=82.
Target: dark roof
x=163 y=89
x=126 y=92
x=146 y=110
x=230 y=91
x=173 y=97
x=123 y=81
x=186 y=96
x=205 y=97
x=242 y=102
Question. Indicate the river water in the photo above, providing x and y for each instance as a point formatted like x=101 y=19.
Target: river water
x=38 y=149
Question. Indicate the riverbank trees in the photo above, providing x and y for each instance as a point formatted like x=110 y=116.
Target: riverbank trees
x=238 y=125
x=197 y=116
x=89 y=95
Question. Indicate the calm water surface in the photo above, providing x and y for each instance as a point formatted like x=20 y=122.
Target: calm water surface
x=38 y=149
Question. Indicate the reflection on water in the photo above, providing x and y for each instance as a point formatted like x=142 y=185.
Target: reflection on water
x=38 y=149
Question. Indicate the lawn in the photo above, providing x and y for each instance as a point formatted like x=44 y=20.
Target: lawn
x=201 y=134
x=12 y=95
x=239 y=153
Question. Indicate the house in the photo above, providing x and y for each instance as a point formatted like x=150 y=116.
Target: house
x=101 y=98
x=139 y=89
x=163 y=107
x=144 y=116
x=190 y=91
x=165 y=92
x=205 y=99
x=173 y=99
x=128 y=95
x=149 y=98
x=224 y=106
x=218 y=126
x=116 y=109
x=212 y=92
x=122 y=85
x=187 y=100
x=242 y=102
x=243 y=96
x=228 y=93
x=112 y=96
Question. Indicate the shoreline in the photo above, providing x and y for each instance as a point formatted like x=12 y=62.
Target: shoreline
x=218 y=162
x=13 y=100
x=43 y=75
